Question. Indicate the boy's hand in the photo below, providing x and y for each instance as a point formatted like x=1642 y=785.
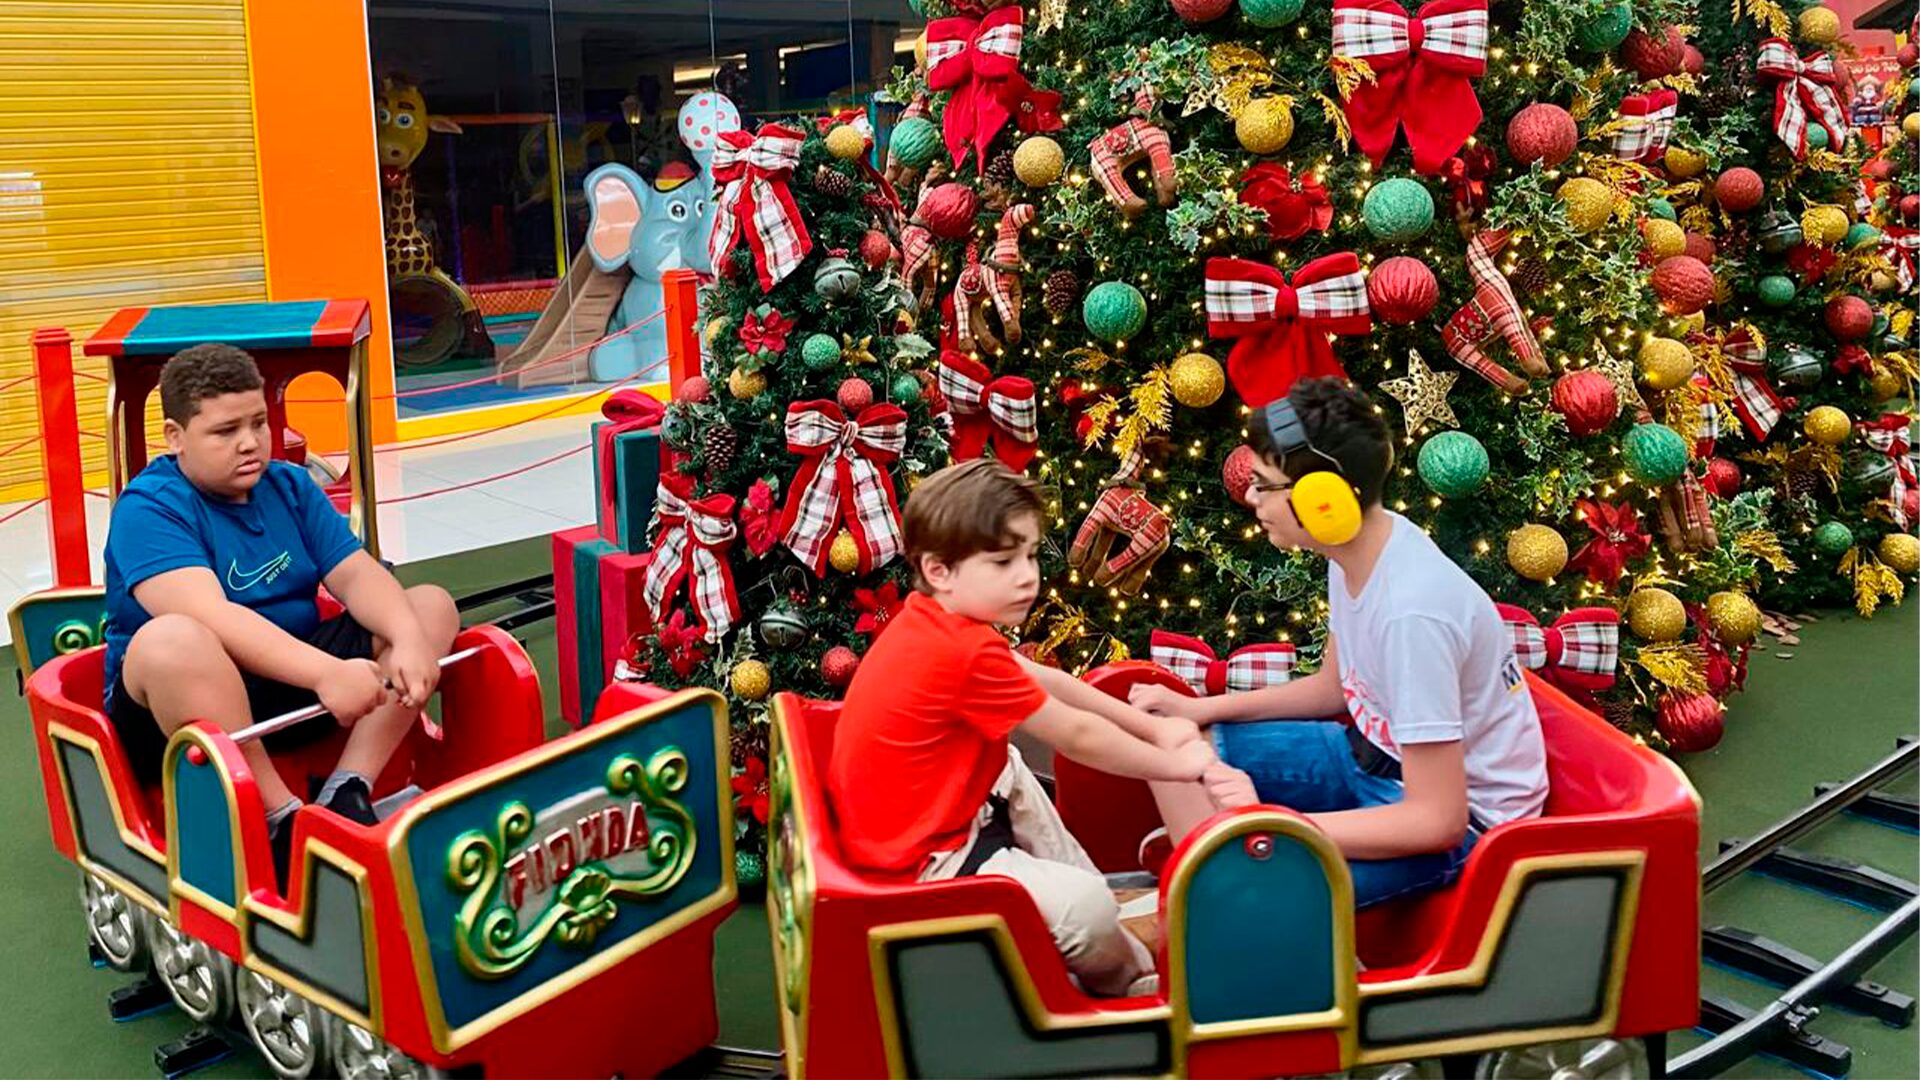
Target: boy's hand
x=351 y=689
x=1155 y=700
x=1192 y=760
x=1173 y=731
x=413 y=671
x=1229 y=787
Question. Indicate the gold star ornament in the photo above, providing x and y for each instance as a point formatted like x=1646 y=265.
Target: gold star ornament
x=1619 y=371
x=1422 y=394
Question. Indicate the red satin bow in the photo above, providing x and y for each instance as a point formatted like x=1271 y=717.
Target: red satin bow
x=1282 y=325
x=629 y=410
x=1423 y=67
x=1580 y=651
x=1194 y=662
x=984 y=407
x=977 y=59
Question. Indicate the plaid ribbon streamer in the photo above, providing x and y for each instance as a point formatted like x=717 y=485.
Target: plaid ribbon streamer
x=629 y=410
x=1122 y=145
x=1888 y=435
x=1194 y=662
x=1900 y=246
x=843 y=479
x=753 y=170
x=1649 y=125
x=1707 y=432
x=1805 y=95
x=1493 y=312
x=1424 y=67
x=985 y=408
x=690 y=548
x=976 y=59
x=1754 y=400
x=1283 y=325
x=1580 y=651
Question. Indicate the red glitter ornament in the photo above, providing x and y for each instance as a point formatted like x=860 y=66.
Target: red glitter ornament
x=1739 y=190
x=838 y=666
x=854 y=395
x=1683 y=284
x=948 y=210
x=1588 y=400
x=1194 y=12
x=1542 y=132
x=875 y=249
x=694 y=391
x=1237 y=474
x=1723 y=478
x=1700 y=246
x=1692 y=60
x=1654 y=58
x=1402 y=290
x=1849 y=318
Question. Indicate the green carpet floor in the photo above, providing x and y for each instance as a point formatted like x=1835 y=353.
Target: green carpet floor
x=1826 y=713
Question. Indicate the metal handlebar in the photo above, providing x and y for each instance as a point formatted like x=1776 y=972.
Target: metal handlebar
x=302 y=715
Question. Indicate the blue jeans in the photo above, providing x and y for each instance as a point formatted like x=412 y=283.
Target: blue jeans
x=1306 y=765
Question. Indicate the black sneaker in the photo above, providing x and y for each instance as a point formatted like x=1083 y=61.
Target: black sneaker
x=280 y=842
x=353 y=801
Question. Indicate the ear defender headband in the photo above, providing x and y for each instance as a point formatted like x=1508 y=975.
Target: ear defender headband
x=1324 y=502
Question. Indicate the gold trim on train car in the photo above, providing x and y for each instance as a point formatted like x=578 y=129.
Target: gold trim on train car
x=297 y=924
x=178 y=744
x=62 y=733
x=17 y=624
x=446 y=1040
x=793 y=1023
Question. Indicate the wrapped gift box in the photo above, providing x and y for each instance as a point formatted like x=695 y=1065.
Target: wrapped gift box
x=576 y=598
x=625 y=506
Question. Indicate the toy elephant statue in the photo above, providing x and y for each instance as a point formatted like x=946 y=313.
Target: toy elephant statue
x=650 y=228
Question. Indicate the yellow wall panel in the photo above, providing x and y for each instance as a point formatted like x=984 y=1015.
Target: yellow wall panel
x=128 y=177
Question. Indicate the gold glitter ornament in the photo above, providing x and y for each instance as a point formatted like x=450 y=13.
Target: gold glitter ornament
x=1665 y=363
x=1536 y=552
x=1819 y=26
x=751 y=680
x=1824 y=225
x=845 y=142
x=746 y=385
x=1735 y=618
x=1265 y=126
x=1827 y=425
x=1685 y=164
x=1901 y=552
x=1656 y=615
x=844 y=555
x=1198 y=380
x=1039 y=161
x=1589 y=203
x=1664 y=238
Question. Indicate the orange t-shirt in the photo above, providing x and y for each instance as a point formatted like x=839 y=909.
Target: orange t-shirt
x=922 y=737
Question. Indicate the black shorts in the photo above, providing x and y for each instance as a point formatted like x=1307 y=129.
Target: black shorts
x=144 y=743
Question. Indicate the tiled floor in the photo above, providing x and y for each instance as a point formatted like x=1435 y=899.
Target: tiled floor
x=543 y=500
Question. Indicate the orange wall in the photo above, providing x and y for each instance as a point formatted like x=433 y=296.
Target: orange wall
x=319 y=189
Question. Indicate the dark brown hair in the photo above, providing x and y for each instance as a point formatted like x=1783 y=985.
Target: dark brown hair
x=1340 y=422
x=966 y=509
x=201 y=372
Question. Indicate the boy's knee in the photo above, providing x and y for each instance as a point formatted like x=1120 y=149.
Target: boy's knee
x=1083 y=912
x=435 y=609
x=174 y=640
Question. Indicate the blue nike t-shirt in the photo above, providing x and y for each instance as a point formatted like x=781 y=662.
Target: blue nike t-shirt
x=270 y=552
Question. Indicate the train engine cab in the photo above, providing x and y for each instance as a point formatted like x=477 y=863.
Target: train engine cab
x=1580 y=925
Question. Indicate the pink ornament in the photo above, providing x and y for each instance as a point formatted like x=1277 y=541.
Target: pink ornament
x=1683 y=284
x=1402 y=290
x=1194 y=12
x=1237 y=474
x=1588 y=400
x=1849 y=318
x=1542 y=132
x=948 y=210
x=1700 y=246
x=1739 y=190
x=1690 y=722
x=854 y=395
x=1723 y=478
x=694 y=391
x=838 y=666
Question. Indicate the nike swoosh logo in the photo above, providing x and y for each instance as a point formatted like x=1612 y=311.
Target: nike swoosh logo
x=247 y=579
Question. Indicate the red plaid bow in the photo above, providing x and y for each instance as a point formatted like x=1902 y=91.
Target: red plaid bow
x=1888 y=435
x=753 y=170
x=1900 y=246
x=854 y=118
x=843 y=479
x=1580 y=651
x=984 y=407
x=690 y=547
x=1194 y=662
x=979 y=60
x=1805 y=95
x=1758 y=405
x=1424 y=66
x=1283 y=326
x=630 y=410
x=1493 y=312
x=1649 y=125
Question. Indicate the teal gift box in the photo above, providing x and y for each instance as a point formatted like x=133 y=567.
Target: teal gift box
x=623 y=508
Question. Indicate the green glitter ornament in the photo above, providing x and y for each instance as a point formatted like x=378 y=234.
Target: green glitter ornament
x=1655 y=454
x=1268 y=14
x=915 y=142
x=750 y=869
x=1114 y=311
x=1453 y=463
x=1398 y=210
x=1817 y=138
x=1832 y=538
x=1776 y=290
x=1607 y=29
x=820 y=352
x=905 y=389
x=1861 y=234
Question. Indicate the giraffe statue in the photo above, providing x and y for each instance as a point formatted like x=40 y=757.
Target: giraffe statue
x=403 y=124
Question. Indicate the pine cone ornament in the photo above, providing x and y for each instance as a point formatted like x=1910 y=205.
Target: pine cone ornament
x=1799 y=484
x=1061 y=292
x=1000 y=169
x=1529 y=275
x=749 y=741
x=832 y=183
x=1618 y=711
x=722 y=446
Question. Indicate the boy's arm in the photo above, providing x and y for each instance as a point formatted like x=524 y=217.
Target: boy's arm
x=1311 y=697
x=1092 y=740
x=1165 y=732
x=376 y=600
x=1432 y=816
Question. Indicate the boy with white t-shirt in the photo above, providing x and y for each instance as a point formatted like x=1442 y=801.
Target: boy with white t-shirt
x=1441 y=742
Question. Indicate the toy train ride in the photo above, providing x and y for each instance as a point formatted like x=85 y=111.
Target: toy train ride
x=534 y=893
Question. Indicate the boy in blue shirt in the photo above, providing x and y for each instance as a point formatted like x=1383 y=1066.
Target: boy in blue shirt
x=215 y=555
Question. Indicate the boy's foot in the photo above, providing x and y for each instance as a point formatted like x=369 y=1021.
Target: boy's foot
x=280 y=842
x=352 y=800
x=1155 y=849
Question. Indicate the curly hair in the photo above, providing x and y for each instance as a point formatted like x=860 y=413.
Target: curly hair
x=201 y=372
x=1340 y=422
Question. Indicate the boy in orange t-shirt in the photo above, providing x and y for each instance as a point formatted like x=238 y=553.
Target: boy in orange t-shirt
x=922 y=778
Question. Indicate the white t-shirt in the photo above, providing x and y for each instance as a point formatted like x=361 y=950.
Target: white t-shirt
x=1425 y=658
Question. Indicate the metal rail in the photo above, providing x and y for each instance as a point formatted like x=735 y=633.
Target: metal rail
x=1737 y=859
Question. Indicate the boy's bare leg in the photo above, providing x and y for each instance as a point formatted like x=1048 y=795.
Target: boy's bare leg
x=378 y=733
x=1185 y=804
x=177 y=670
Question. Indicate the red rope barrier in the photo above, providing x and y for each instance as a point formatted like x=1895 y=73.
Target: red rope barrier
x=542 y=463
x=20 y=510
x=89 y=376
x=547 y=414
x=21 y=381
x=21 y=445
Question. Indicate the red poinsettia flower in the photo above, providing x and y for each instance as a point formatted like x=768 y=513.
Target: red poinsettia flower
x=683 y=645
x=1292 y=206
x=765 y=330
x=877 y=607
x=1466 y=175
x=758 y=522
x=1617 y=540
x=750 y=791
x=1036 y=111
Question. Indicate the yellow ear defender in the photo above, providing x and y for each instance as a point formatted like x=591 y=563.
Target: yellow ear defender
x=1325 y=503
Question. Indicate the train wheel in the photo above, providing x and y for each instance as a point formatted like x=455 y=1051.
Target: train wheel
x=290 y=1031
x=115 y=924
x=1575 y=1059
x=359 y=1054
x=199 y=979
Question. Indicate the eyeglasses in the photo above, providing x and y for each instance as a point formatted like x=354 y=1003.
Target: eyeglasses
x=1262 y=487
